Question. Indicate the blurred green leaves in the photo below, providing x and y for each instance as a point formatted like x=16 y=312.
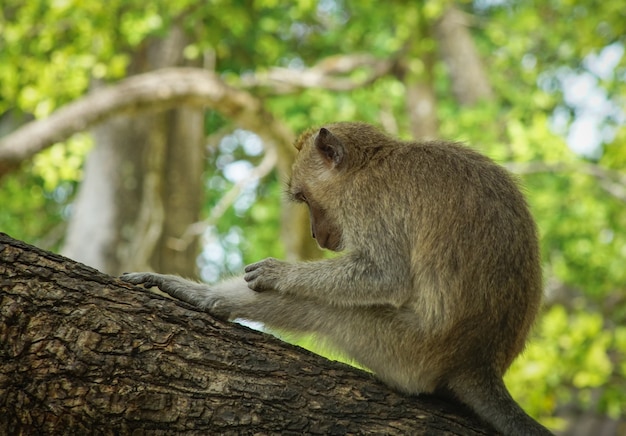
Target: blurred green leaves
x=568 y=359
x=51 y=52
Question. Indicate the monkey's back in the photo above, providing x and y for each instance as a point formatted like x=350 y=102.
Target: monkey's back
x=474 y=245
x=449 y=224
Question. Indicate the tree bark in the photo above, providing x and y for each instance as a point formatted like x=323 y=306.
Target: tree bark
x=143 y=182
x=82 y=352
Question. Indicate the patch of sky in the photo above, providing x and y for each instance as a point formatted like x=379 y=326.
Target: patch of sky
x=590 y=117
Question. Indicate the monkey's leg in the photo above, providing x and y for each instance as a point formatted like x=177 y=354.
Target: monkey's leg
x=363 y=333
x=383 y=339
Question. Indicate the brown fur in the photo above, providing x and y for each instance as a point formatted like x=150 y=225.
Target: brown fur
x=441 y=278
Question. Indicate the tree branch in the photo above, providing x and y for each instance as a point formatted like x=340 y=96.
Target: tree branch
x=154 y=91
x=328 y=74
x=611 y=181
x=82 y=352
x=227 y=200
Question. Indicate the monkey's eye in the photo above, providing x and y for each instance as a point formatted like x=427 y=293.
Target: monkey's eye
x=299 y=197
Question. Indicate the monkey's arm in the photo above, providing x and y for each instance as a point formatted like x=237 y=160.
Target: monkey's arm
x=233 y=299
x=350 y=280
x=221 y=300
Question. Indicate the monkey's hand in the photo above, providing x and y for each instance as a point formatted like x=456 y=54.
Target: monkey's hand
x=148 y=280
x=265 y=275
x=220 y=300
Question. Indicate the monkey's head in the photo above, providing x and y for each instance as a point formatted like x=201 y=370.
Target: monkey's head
x=323 y=170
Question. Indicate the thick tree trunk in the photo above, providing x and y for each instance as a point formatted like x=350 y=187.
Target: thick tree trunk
x=84 y=353
x=143 y=182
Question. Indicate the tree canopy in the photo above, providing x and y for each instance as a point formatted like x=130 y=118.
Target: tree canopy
x=543 y=95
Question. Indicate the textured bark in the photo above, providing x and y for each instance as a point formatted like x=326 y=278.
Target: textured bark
x=83 y=353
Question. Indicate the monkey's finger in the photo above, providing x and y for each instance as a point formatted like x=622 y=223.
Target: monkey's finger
x=252 y=267
x=258 y=286
x=269 y=262
x=139 y=279
x=252 y=275
x=133 y=278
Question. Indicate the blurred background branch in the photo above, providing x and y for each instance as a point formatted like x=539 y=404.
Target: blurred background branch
x=158 y=135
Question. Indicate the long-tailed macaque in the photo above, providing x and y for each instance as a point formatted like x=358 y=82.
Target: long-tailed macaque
x=440 y=281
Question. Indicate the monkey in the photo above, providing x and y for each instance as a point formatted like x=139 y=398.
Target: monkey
x=439 y=278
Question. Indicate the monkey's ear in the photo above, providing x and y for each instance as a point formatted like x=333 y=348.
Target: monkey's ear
x=330 y=147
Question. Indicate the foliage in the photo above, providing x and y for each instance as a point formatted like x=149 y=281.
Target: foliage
x=567 y=362
x=557 y=68
x=36 y=203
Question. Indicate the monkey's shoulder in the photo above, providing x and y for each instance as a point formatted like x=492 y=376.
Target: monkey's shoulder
x=439 y=154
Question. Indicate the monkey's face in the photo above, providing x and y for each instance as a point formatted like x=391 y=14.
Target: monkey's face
x=323 y=228
x=313 y=182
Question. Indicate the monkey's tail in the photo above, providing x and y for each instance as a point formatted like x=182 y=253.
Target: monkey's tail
x=491 y=400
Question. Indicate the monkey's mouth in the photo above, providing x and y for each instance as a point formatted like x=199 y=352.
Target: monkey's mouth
x=330 y=242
